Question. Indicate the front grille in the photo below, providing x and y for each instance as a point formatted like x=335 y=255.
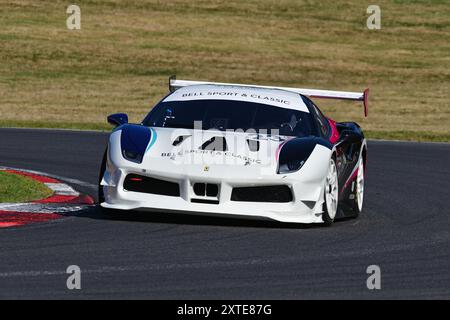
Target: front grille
x=137 y=183
x=206 y=189
x=278 y=193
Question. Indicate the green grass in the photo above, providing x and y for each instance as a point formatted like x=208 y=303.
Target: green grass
x=16 y=188
x=121 y=58
x=408 y=136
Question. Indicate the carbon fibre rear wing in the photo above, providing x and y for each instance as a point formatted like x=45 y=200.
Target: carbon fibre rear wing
x=175 y=84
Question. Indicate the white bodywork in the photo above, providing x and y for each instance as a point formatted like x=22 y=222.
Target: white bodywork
x=307 y=184
x=182 y=165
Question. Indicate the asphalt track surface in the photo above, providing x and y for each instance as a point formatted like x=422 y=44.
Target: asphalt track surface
x=404 y=229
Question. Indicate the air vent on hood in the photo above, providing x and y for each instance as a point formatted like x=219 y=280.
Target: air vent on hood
x=179 y=140
x=253 y=145
x=215 y=144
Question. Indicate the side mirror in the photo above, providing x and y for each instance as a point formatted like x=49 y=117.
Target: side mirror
x=117 y=119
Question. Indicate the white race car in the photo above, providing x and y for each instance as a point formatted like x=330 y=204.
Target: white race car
x=237 y=150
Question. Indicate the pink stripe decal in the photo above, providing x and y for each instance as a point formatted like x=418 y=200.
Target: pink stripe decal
x=349 y=180
x=277 y=155
x=334 y=132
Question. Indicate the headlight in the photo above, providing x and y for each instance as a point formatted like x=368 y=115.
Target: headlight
x=294 y=153
x=291 y=166
x=132 y=156
x=134 y=140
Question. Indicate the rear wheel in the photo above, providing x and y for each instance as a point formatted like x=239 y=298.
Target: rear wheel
x=331 y=194
x=357 y=202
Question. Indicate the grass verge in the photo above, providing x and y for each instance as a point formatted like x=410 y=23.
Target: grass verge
x=121 y=58
x=16 y=188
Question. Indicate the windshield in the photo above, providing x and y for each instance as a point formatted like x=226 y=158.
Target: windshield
x=230 y=115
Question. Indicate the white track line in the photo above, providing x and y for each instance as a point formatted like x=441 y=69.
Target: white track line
x=62 y=189
x=59 y=208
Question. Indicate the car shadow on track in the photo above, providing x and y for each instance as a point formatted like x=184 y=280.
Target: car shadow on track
x=95 y=212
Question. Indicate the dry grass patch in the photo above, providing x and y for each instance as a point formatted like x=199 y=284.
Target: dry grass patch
x=122 y=56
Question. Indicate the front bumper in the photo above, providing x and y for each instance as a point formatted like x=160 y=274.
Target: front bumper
x=306 y=206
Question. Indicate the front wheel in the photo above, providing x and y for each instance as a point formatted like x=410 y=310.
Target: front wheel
x=101 y=195
x=331 y=194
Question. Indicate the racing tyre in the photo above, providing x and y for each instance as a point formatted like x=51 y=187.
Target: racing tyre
x=357 y=201
x=331 y=194
x=101 y=196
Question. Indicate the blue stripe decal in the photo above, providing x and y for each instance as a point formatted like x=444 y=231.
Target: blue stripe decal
x=152 y=140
